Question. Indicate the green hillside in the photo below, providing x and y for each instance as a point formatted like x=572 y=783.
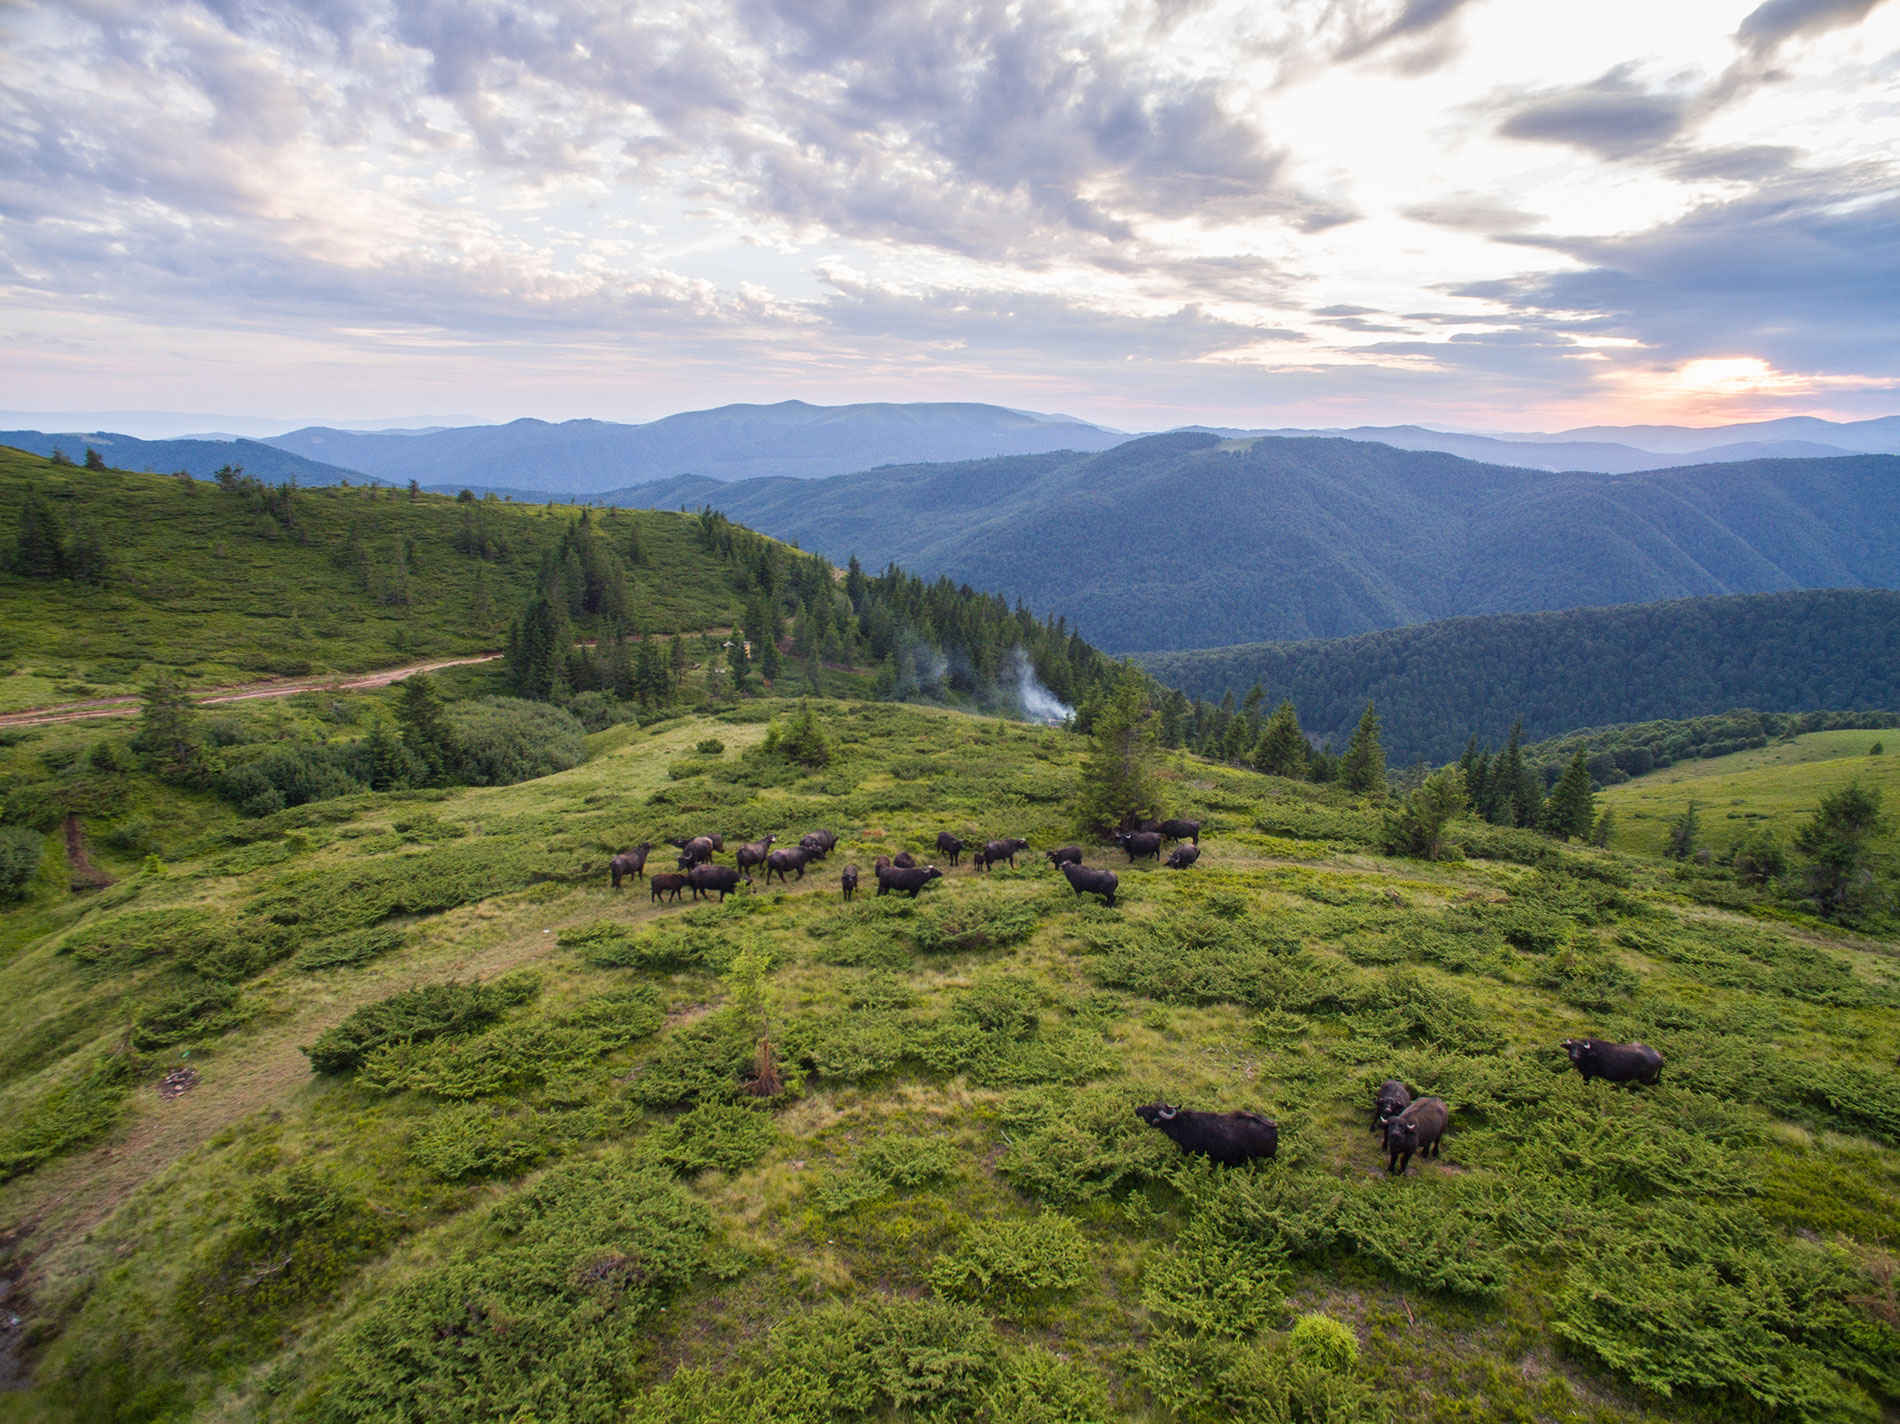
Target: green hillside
x=1774 y=787
x=224 y=586
x=548 y=1173
x=1436 y=684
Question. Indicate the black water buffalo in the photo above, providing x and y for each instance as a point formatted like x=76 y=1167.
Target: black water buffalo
x=1392 y=1099
x=1178 y=830
x=906 y=882
x=1614 y=1062
x=949 y=845
x=1006 y=849
x=707 y=878
x=1091 y=882
x=904 y=860
x=718 y=841
x=665 y=884
x=1420 y=1128
x=824 y=841
x=1230 y=1138
x=780 y=861
x=697 y=851
x=754 y=852
x=1139 y=844
x=629 y=862
x=1066 y=855
x=883 y=862
x=848 y=882
x=1181 y=857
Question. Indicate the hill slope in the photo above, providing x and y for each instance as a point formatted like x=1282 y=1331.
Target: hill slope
x=1438 y=683
x=222 y=585
x=199 y=458
x=1185 y=540
x=583 y=457
x=558 y=1197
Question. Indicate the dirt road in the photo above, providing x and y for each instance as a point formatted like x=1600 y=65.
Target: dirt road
x=244 y=692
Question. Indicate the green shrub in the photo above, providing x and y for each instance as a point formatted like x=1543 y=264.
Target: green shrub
x=1067 y=1148
x=1712 y=1303
x=498 y=741
x=193 y=1011
x=468 y=1140
x=72 y=1112
x=1014 y=1263
x=544 y=1315
x=1323 y=1344
x=1214 y=1282
x=347 y=950
x=415 y=1016
x=20 y=852
x=714 y=1137
x=885 y=1164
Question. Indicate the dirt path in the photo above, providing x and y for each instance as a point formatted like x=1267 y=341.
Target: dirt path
x=242 y=692
x=85 y=875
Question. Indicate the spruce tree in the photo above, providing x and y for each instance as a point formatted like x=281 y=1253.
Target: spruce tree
x=1362 y=769
x=1571 y=809
x=1118 y=775
x=536 y=658
x=168 y=740
x=39 y=549
x=425 y=731
x=1283 y=750
x=1837 y=878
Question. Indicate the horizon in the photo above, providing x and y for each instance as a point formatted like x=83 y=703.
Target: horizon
x=1454 y=213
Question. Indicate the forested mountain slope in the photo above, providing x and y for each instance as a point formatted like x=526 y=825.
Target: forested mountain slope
x=1186 y=540
x=199 y=458
x=1436 y=684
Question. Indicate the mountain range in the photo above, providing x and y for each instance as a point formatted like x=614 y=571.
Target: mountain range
x=200 y=458
x=1188 y=540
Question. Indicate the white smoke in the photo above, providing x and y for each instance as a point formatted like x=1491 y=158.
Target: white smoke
x=1037 y=702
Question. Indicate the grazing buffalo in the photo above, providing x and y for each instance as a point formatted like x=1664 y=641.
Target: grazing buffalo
x=825 y=841
x=1066 y=855
x=629 y=862
x=1420 y=1128
x=666 y=884
x=697 y=851
x=883 y=863
x=754 y=852
x=1139 y=844
x=780 y=861
x=949 y=845
x=1181 y=857
x=993 y=851
x=906 y=882
x=848 y=882
x=1091 y=882
x=1230 y=1138
x=717 y=841
x=1178 y=830
x=1614 y=1062
x=1392 y=1099
x=904 y=860
x=707 y=878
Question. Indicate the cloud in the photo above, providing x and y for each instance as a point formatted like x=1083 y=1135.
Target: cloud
x=1612 y=117
x=1768 y=27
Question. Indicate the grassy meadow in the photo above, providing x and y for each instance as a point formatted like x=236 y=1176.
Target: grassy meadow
x=1778 y=786
x=546 y=1172
x=222 y=587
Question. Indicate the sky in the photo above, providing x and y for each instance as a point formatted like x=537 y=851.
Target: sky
x=1499 y=216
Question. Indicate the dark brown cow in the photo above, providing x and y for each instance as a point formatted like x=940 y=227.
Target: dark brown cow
x=1066 y=855
x=781 y=861
x=629 y=862
x=1420 y=1128
x=906 y=882
x=707 y=878
x=754 y=852
x=666 y=885
x=1085 y=881
x=1139 y=844
x=848 y=882
x=1181 y=857
x=1230 y=1138
x=904 y=860
x=949 y=845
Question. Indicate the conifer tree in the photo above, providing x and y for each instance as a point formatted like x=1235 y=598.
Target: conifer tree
x=1283 y=750
x=1118 y=775
x=1362 y=769
x=1837 y=879
x=536 y=657
x=1571 y=808
x=168 y=740
x=425 y=731
x=39 y=549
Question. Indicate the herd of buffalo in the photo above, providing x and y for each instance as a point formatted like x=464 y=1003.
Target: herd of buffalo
x=1411 y=1124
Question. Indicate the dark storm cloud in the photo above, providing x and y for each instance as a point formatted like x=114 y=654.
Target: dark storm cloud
x=1612 y=117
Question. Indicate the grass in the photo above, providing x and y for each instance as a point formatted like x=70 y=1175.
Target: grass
x=570 y=1206
x=208 y=586
x=1778 y=787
